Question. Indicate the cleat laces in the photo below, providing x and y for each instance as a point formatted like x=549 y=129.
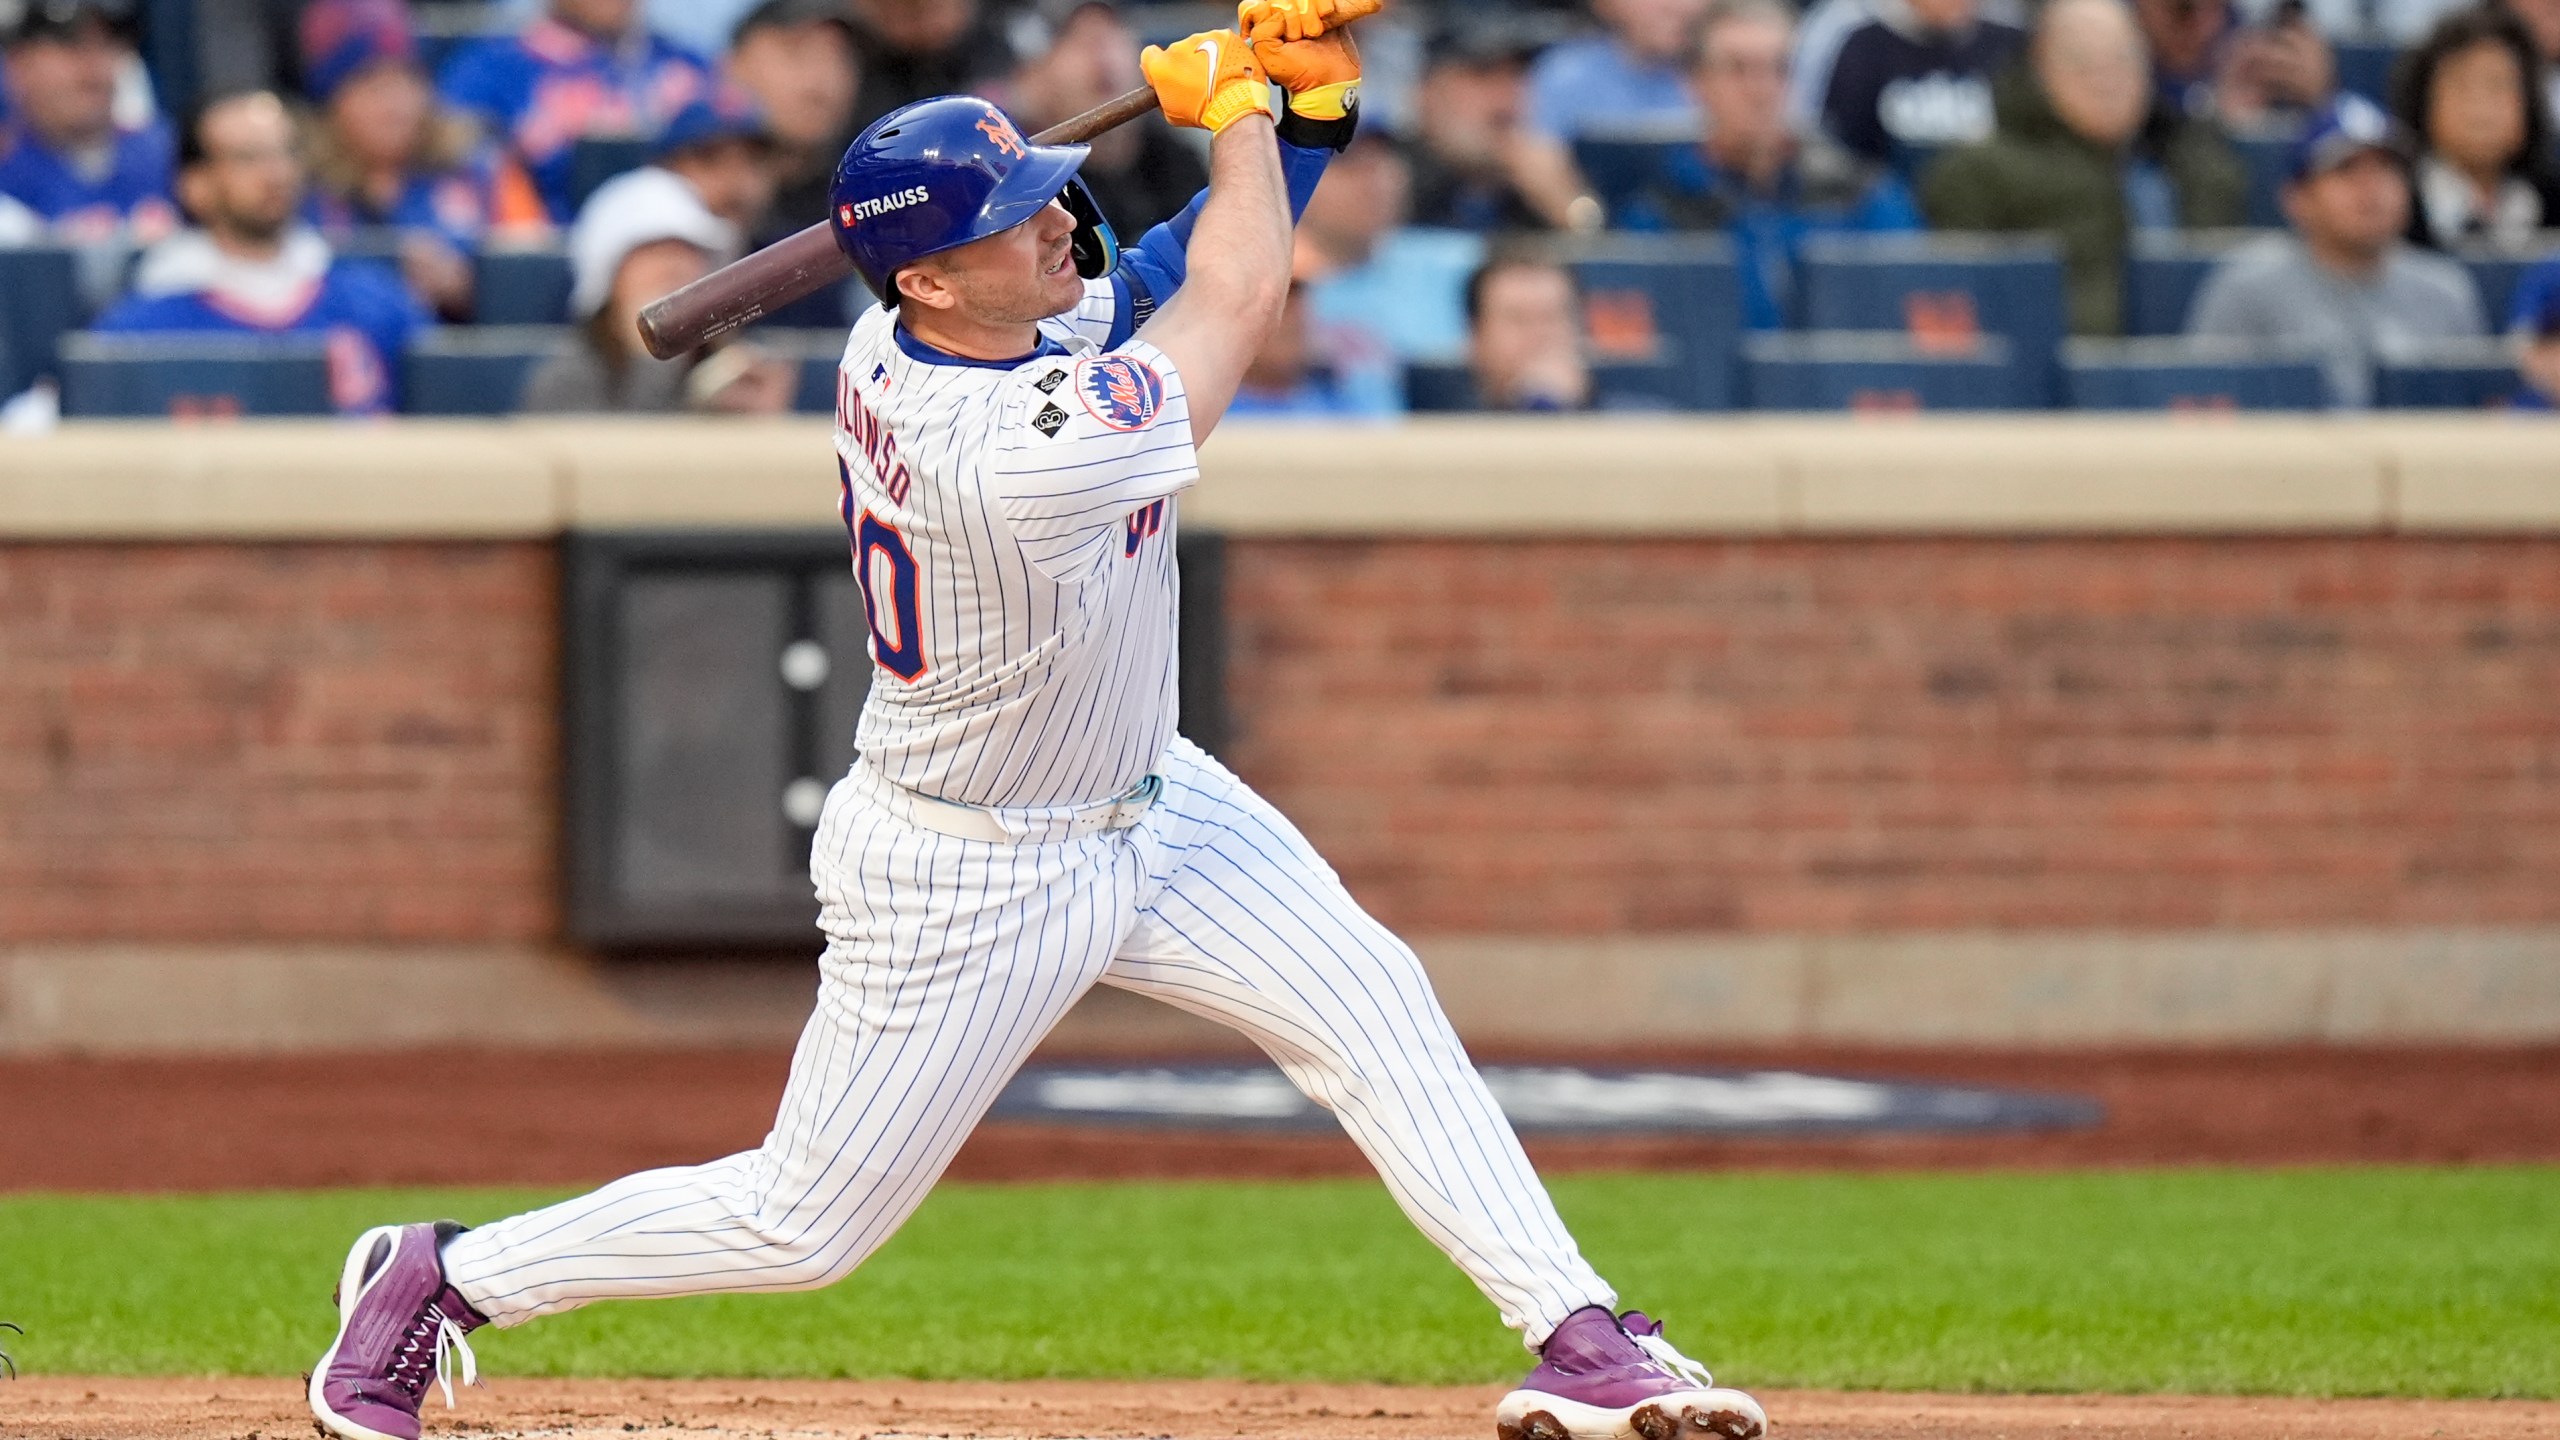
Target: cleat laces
x=1670 y=1358
x=422 y=1354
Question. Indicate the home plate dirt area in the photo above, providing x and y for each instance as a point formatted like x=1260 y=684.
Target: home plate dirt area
x=73 y=1408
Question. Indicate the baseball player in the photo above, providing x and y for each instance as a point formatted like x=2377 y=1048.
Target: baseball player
x=1015 y=424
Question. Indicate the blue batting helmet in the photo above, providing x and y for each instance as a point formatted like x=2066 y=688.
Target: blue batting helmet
x=937 y=174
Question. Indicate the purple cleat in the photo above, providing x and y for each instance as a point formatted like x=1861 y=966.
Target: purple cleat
x=396 y=1317
x=1607 y=1378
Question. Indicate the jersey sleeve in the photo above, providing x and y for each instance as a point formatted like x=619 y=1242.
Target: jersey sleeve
x=1083 y=443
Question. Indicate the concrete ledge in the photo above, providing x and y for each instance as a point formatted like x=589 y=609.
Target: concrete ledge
x=2060 y=989
x=276 y=480
x=1473 y=476
x=1491 y=475
x=645 y=471
x=2087 y=474
x=2491 y=474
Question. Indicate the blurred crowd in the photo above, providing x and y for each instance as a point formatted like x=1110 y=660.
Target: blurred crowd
x=341 y=167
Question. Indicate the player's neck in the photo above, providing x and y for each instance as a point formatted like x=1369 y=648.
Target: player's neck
x=969 y=339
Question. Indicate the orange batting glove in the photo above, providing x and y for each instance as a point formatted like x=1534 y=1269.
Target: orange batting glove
x=1264 y=21
x=1321 y=75
x=1208 y=81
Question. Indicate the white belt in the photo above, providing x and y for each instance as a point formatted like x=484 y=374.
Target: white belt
x=975 y=822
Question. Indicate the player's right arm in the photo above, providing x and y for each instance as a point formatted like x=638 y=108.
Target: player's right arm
x=1236 y=270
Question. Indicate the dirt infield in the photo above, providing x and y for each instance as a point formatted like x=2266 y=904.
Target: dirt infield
x=73 y=1408
x=544 y=1118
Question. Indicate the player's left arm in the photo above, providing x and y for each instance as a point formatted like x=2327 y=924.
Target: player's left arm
x=1319 y=110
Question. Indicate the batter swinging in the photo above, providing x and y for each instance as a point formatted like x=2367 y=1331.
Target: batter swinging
x=1014 y=425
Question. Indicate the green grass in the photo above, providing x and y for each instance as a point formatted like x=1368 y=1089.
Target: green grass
x=2330 y=1282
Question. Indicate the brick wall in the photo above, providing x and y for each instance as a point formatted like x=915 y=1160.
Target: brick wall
x=1835 y=736
x=355 y=741
x=293 y=742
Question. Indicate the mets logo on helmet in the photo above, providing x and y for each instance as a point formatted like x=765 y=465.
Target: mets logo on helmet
x=1122 y=392
x=1000 y=131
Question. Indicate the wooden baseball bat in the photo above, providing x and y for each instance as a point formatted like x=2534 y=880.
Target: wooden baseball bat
x=745 y=290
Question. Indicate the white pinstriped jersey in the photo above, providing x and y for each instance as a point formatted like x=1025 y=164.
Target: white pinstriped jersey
x=1013 y=531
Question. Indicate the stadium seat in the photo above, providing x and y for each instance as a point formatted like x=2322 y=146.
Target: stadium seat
x=1941 y=291
x=1618 y=170
x=2446 y=375
x=1668 y=309
x=521 y=286
x=39 y=304
x=2495 y=271
x=2364 y=68
x=2164 y=270
x=2264 y=157
x=816 y=352
x=475 y=369
x=1440 y=387
x=594 y=161
x=188 y=375
x=2182 y=374
x=371 y=242
x=1877 y=371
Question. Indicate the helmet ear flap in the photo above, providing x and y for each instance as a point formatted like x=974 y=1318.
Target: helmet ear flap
x=1096 y=248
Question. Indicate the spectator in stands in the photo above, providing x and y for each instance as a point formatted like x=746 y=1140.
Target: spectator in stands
x=384 y=154
x=1751 y=175
x=1626 y=82
x=1284 y=381
x=914 y=49
x=1524 y=338
x=1078 y=54
x=721 y=146
x=64 y=161
x=2537 y=334
x=797 y=58
x=1379 y=294
x=586 y=70
x=2542 y=21
x=641 y=236
x=2210 y=64
x=250 y=266
x=1916 y=79
x=1467 y=124
x=2484 y=170
x=2084 y=153
x=2343 y=280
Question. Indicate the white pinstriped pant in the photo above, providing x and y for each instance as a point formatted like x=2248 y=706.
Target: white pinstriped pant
x=947 y=961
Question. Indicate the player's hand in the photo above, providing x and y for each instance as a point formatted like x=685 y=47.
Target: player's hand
x=1207 y=81
x=1264 y=21
x=1322 y=75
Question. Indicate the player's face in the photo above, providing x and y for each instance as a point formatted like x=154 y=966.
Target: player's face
x=596 y=17
x=66 y=84
x=2358 y=208
x=734 y=177
x=2476 y=113
x=1016 y=276
x=806 y=75
x=250 y=182
x=381 y=114
x=1741 y=76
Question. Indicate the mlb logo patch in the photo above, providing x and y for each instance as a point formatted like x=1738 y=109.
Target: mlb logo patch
x=1122 y=392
